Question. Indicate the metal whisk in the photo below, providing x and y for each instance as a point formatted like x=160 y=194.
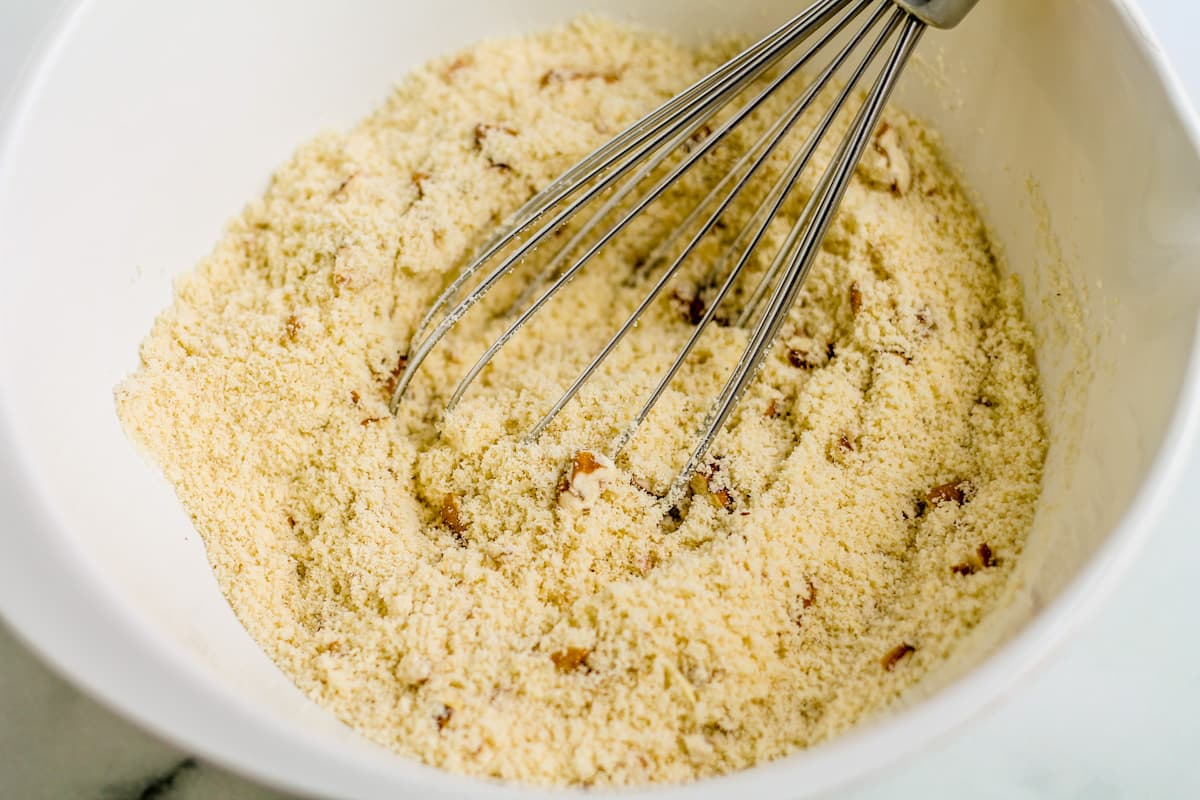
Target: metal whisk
x=618 y=171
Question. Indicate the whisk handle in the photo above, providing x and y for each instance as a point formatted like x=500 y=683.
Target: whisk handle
x=939 y=13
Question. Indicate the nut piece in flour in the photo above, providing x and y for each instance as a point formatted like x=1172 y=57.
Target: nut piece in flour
x=885 y=165
x=590 y=474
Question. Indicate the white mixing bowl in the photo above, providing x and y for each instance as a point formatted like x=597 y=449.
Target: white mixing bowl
x=148 y=125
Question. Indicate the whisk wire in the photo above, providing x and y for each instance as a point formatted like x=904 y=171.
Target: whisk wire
x=653 y=122
x=765 y=147
x=753 y=153
x=615 y=173
x=819 y=213
x=785 y=184
x=705 y=97
x=661 y=186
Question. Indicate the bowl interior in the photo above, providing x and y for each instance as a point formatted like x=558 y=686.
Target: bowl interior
x=151 y=124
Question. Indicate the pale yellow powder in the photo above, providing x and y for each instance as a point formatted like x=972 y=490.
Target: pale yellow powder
x=419 y=576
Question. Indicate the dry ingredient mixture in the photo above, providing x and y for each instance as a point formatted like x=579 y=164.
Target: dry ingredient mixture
x=522 y=611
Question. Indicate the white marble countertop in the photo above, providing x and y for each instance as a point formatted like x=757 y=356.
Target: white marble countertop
x=1114 y=714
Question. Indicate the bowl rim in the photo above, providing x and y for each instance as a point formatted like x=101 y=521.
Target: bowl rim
x=193 y=712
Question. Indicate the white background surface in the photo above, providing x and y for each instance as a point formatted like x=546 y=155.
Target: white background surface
x=1115 y=714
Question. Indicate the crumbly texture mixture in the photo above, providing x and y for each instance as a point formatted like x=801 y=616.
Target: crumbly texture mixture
x=532 y=611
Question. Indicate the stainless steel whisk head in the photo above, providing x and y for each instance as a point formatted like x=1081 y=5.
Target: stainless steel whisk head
x=621 y=176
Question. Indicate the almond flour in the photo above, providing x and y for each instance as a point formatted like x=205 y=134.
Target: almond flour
x=521 y=611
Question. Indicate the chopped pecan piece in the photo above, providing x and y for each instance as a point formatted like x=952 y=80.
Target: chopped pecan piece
x=885 y=165
x=485 y=129
x=693 y=307
x=393 y=379
x=342 y=186
x=855 y=298
x=772 y=409
x=896 y=351
x=454 y=66
x=722 y=498
x=569 y=659
x=586 y=462
x=354 y=397
x=452 y=516
x=442 y=718
x=702 y=483
x=419 y=178
x=952 y=492
x=894 y=655
x=641 y=483
x=564 y=75
x=582 y=486
x=985 y=558
x=799 y=358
